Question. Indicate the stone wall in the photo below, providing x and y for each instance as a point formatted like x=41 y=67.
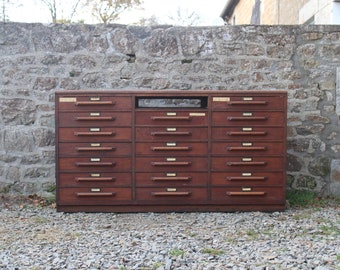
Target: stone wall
x=37 y=59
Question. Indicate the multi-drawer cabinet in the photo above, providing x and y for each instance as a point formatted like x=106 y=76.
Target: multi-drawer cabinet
x=170 y=150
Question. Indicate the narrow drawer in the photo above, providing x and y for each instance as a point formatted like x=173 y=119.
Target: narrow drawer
x=248 y=148
x=166 y=118
x=249 y=117
x=247 y=178
x=248 y=195
x=94 y=102
x=94 y=196
x=248 y=102
x=94 y=179
x=248 y=133
x=172 y=148
x=179 y=179
x=171 y=133
x=88 y=119
x=172 y=195
x=98 y=149
x=171 y=164
x=98 y=164
x=247 y=163
x=94 y=134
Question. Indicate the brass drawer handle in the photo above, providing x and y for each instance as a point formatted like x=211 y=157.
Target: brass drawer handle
x=170 y=178
x=243 y=133
x=251 y=118
x=180 y=118
x=95 y=194
x=109 y=133
x=99 y=179
x=87 y=103
x=252 y=163
x=79 y=149
x=97 y=164
x=171 y=163
x=246 y=193
x=181 y=133
x=246 y=178
x=247 y=148
x=97 y=118
x=171 y=193
x=171 y=148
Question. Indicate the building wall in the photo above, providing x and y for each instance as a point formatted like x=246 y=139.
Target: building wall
x=242 y=13
x=320 y=9
x=37 y=59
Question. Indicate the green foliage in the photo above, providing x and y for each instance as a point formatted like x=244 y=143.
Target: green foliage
x=176 y=252
x=212 y=251
x=301 y=198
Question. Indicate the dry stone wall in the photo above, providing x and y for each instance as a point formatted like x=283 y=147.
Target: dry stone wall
x=37 y=59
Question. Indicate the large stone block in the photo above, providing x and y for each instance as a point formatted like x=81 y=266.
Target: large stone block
x=335 y=177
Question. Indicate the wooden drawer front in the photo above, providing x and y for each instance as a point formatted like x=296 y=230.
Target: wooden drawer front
x=248 y=195
x=248 y=102
x=248 y=133
x=169 y=134
x=247 y=178
x=94 y=179
x=246 y=148
x=169 y=164
x=95 y=102
x=94 y=149
x=180 y=195
x=180 y=179
x=244 y=164
x=93 y=195
x=89 y=119
x=166 y=118
x=172 y=148
x=98 y=164
x=94 y=134
x=252 y=118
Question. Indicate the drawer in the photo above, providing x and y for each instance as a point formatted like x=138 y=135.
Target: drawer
x=171 y=164
x=166 y=118
x=172 y=195
x=244 y=164
x=232 y=103
x=93 y=118
x=248 y=195
x=171 y=134
x=94 y=196
x=94 y=102
x=253 y=118
x=248 y=133
x=180 y=179
x=248 y=148
x=94 y=149
x=94 y=134
x=248 y=178
x=97 y=164
x=172 y=148
x=94 y=179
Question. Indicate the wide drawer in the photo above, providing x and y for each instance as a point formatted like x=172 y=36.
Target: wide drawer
x=248 y=133
x=248 y=195
x=98 y=149
x=98 y=164
x=171 y=164
x=243 y=164
x=94 y=196
x=94 y=179
x=94 y=102
x=253 y=118
x=171 y=195
x=170 y=134
x=94 y=134
x=248 y=102
x=88 y=119
x=248 y=178
x=179 y=179
x=171 y=148
x=248 y=148
x=166 y=118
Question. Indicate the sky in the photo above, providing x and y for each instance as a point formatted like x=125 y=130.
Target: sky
x=207 y=11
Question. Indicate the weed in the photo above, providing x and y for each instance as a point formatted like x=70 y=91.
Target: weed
x=301 y=198
x=176 y=252
x=212 y=251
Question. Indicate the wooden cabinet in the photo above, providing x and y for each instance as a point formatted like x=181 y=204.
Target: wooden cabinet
x=129 y=151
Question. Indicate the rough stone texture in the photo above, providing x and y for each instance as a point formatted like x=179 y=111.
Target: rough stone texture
x=37 y=59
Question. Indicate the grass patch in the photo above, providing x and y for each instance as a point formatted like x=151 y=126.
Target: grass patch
x=302 y=198
x=176 y=252
x=212 y=251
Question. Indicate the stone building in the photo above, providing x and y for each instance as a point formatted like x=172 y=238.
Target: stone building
x=271 y=12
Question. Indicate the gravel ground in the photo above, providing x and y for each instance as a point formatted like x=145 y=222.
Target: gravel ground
x=40 y=238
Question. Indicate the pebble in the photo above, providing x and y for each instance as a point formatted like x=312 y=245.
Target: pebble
x=42 y=239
